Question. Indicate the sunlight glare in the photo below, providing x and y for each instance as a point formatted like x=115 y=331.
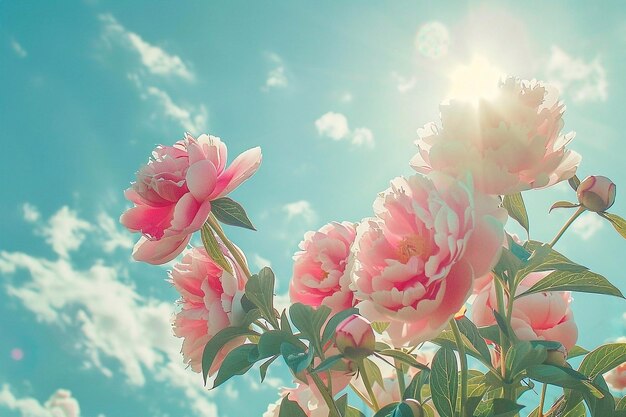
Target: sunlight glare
x=474 y=81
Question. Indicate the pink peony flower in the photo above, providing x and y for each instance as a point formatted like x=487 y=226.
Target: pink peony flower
x=414 y=263
x=616 y=378
x=210 y=300
x=539 y=316
x=596 y=193
x=509 y=143
x=319 y=270
x=174 y=190
x=311 y=404
x=354 y=337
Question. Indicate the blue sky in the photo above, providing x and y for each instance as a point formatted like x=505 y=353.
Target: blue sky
x=333 y=92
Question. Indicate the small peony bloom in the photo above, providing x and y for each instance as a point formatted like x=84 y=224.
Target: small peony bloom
x=414 y=264
x=210 y=301
x=616 y=378
x=596 y=193
x=508 y=143
x=312 y=405
x=539 y=316
x=173 y=192
x=354 y=337
x=320 y=268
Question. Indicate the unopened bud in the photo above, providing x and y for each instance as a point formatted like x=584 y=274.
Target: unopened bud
x=354 y=337
x=596 y=193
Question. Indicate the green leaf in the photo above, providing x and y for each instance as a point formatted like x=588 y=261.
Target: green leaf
x=618 y=223
x=559 y=376
x=402 y=357
x=476 y=341
x=444 y=381
x=545 y=258
x=235 y=363
x=331 y=326
x=327 y=363
x=353 y=412
x=603 y=359
x=514 y=204
x=380 y=326
x=491 y=333
x=498 y=407
x=284 y=322
x=563 y=204
x=620 y=407
x=502 y=325
x=522 y=355
x=600 y=406
x=386 y=410
x=373 y=372
x=213 y=248
x=578 y=411
x=428 y=410
x=296 y=358
x=446 y=338
x=217 y=342
x=507 y=265
x=230 y=212
x=576 y=351
x=260 y=291
x=414 y=389
x=265 y=365
x=574 y=182
x=585 y=281
x=270 y=342
x=402 y=410
x=309 y=321
x=290 y=408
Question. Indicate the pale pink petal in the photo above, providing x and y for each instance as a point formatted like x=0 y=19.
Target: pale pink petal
x=201 y=179
x=242 y=168
x=158 y=252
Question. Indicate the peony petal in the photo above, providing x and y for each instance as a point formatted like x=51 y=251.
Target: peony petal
x=242 y=168
x=201 y=179
x=157 y=252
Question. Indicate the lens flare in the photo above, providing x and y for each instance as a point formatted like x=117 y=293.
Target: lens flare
x=474 y=81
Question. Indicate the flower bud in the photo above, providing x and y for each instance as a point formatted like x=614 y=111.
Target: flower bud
x=557 y=357
x=354 y=337
x=596 y=193
x=415 y=407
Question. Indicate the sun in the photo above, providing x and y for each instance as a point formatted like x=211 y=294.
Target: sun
x=474 y=81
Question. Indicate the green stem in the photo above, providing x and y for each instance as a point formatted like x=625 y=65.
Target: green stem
x=361 y=396
x=400 y=375
x=233 y=250
x=542 y=400
x=334 y=412
x=368 y=386
x=566 y=225
x=504 y=344
x=461 y=348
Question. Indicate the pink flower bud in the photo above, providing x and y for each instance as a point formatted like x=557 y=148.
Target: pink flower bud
x=415 y=407
x=355 y=338
x=596 y=193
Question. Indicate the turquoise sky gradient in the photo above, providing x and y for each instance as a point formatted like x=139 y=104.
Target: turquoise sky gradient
x=87 y=89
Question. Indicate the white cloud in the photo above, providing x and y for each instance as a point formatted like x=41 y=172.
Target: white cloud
x=18 y=49
x=276 y=77
x=300 y=209
x=260 y=262
x=362 y=136
x=333 y=125
x=403 y=84
x=65 y=232
x=582 y=80
x=60 y=404
x=193 y=119
x=112 y=236
x=154 y=59
x=346 y=97
x=587 y=225
x=30 y=213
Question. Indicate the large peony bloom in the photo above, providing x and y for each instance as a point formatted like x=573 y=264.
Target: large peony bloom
x=319 y=270
x=539 y=316
x=174 y=190
x=509 y=143
x=210 y=301
x=415 y=262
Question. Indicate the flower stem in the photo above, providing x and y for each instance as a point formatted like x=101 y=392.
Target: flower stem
x=542 y=400
x=566 y=225
x=461 y=348
x=361 y=396
x=334 y=412
x=368 y=385
x=232 y=248
x=400 y=375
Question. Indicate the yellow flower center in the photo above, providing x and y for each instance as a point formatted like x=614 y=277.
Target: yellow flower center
x=414 y=245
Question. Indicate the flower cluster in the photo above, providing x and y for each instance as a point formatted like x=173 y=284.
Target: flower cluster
x=367 y=295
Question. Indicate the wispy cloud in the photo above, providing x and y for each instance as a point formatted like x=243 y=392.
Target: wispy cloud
x=112 y=237
x=190 y=118
x=154 y=59
x=581 y=79
x=65 y=231
x=260 y=262
x=403 y=84
x=18 y=48
x=30 y=213
x=300 y=210
x=60 y=404
x=335 y=126
x=276 y=76
x=587 y=225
